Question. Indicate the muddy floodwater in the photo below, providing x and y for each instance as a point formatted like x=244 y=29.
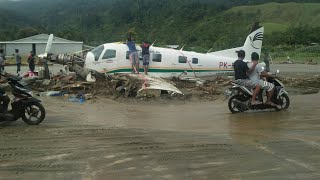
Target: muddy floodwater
x=176 y=140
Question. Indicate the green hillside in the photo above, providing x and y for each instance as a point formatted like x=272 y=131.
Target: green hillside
x=200 y=24
x=279 y=17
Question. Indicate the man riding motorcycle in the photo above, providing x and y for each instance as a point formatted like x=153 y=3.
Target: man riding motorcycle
x=258 y=72
x=242 y=71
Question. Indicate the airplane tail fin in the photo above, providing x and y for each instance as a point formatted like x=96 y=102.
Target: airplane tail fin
x=254 y=41
x=252 y=44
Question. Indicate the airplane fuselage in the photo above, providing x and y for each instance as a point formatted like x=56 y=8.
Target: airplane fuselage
x=164 y=62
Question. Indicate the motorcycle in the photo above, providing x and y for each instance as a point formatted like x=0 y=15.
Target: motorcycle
x=240 y=97
x=24 y=105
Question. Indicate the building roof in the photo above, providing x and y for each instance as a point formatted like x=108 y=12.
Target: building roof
x=40 y=39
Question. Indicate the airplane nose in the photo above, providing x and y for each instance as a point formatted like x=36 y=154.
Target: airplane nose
x=90 y=56
x=89 y=63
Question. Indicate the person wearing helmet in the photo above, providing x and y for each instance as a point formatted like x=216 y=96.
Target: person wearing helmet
x=241 y=71
x=260 y=71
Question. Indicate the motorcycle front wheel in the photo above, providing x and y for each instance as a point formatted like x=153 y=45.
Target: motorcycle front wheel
x=283 y=102
x=34 y=113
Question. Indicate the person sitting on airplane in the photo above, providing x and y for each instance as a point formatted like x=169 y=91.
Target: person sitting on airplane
x=241 y=71
x=258 y=71
x=133 y=55
x=145 y=56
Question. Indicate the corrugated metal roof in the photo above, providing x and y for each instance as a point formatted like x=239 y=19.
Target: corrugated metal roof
x=41 y=38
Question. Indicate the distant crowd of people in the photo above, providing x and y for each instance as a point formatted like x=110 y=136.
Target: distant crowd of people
x=18 y=59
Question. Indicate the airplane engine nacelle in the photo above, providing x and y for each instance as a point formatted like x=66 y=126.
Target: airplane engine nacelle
x=67 y=59
x=63 y=59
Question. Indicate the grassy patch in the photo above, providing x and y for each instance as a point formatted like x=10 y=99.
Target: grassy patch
x=12 y=61
x=274 y=27
x=278 y=16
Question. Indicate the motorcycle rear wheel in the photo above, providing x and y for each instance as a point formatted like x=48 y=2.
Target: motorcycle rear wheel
x=232 y=107
x=31 y=114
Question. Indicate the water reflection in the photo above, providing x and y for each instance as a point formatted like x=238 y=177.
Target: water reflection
x=255 y=126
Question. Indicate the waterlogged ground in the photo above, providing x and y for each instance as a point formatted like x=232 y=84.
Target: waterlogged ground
x=177 y=140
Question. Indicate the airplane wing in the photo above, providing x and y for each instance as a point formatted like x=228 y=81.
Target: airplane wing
x=155 y=83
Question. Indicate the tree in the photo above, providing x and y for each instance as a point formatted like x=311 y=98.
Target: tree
x=26 y=32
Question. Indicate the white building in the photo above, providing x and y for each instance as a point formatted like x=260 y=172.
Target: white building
x=38 y=45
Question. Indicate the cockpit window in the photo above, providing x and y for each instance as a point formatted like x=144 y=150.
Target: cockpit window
x=97 y=52
x=110 y=53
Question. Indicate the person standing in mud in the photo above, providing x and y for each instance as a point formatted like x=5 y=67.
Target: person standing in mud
x=133 y=55
x=145 y=56
x=18 y=61
x=31 y=61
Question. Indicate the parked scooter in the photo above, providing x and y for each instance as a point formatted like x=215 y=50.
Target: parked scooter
x=240 y=97
x=23 y=105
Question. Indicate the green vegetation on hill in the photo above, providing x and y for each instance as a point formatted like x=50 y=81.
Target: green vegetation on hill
x=278 y=17
x=200 y=24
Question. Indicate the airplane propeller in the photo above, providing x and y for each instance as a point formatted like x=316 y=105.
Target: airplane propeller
x=48 y=48
x=45 y=57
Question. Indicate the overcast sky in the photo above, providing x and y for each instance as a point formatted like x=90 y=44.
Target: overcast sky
x=9 y=0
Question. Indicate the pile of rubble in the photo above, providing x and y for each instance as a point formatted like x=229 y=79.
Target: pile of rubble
x=147 y=87
x=311 y=81
x=207 y=89
x=302 y=84
x=126 y=86
x=116 y=85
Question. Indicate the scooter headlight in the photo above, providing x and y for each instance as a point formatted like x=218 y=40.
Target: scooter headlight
x=227 y=92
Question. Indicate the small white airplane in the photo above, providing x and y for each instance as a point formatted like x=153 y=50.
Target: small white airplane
x=113 y=58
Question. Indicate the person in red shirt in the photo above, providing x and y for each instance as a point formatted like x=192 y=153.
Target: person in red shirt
x=31 y=61
x=145 y=56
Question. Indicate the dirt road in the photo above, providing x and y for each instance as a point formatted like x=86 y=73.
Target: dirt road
x=112 y=140
x=296 y=68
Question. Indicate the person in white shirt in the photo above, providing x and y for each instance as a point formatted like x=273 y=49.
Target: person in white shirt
x=256 y=75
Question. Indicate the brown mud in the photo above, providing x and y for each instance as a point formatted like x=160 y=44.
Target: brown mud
x=112 y=140
x=164 y=137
